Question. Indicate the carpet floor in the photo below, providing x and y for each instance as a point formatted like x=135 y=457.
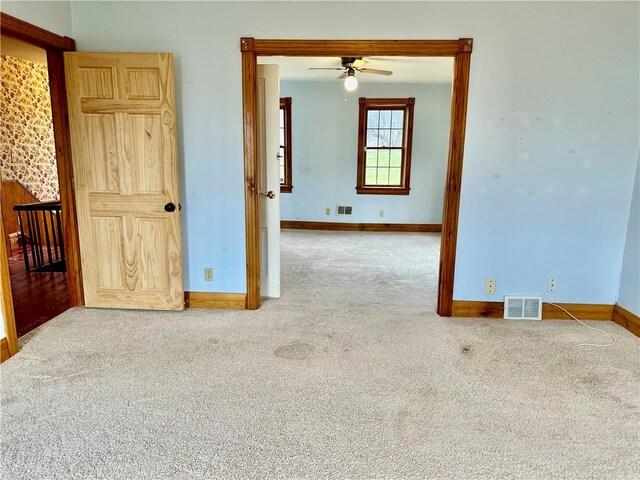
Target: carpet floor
x=349 y=375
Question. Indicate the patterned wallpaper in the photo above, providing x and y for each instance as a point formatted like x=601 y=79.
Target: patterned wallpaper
x=26 y=129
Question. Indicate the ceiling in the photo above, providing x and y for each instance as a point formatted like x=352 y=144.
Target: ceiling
x=17 y=49
x=405 y=69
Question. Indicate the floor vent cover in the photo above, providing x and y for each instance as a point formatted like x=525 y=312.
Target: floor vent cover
x=522 y=308
x=343 y=210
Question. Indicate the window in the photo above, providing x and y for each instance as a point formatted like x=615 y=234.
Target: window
x=285 y=145
x=384 y=145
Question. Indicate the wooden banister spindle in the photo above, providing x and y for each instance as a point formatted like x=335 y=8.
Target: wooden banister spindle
x=43 y=230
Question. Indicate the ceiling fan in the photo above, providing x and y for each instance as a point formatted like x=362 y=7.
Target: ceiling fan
x=351 y=65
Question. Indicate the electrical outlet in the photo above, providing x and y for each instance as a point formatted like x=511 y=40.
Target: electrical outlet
x=552 y=285
x=208 y=274
x=327 y=211
x=381 y=213
x=489 y=285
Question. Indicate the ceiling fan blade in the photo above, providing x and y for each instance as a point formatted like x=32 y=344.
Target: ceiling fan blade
x=358 y=63
x=373 y=70
x=344 y=75
x=316 y=68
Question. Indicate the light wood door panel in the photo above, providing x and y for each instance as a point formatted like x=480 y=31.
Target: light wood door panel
x=123 y=135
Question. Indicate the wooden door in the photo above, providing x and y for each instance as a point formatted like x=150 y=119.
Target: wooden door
x=269 y=178
x=123 y=137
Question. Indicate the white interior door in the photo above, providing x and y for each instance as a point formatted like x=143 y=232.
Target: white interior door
x=269 y=178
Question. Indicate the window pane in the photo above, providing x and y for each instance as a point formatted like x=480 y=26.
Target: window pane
x=370 y=178
x=397 y=119
x=394 y=176
x=372 y=158
x=284 y=155
x=385 y=118
x=383 y=133
x=372 y=118
x=372 y=138
x=384 y=138
x=396 y=138
x=396 y=158
x=383 y=158
x=383 y=176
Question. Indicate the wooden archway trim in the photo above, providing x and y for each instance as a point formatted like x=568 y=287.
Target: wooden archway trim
x=55 y=45
x=453 y=182
x=459 y=49
x=365 y=48
x=20 y=30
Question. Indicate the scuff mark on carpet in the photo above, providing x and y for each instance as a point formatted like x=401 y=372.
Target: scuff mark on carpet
x=295 y=351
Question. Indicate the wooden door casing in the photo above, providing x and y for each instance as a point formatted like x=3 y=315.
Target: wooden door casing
x=459 y=49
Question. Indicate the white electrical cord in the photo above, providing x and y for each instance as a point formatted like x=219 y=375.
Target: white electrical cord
x=613 y=342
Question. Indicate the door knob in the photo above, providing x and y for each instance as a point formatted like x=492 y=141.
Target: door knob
x=269 y=194
x=170 y=207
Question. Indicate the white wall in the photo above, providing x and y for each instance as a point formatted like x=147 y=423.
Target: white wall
x=325 y=144
x=52 y=16
x=629 y=294
x=552 y=131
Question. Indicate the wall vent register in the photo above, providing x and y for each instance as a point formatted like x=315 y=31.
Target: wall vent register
x=522 y=308
x=344 y=210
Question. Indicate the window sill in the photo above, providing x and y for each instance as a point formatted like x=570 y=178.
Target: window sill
x=382 y=190
x=286 y=188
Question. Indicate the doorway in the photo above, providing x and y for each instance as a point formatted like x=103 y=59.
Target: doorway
x=460 y=50
x=54 y=46
x=30 y=188
x=399 y=114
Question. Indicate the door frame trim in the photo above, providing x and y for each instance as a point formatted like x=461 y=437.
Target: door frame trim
x=55 y=45
x=459 y=49
x=6 y=300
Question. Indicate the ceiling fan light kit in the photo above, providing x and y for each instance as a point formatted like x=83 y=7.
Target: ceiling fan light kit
x=351 y=82
x=349 y=66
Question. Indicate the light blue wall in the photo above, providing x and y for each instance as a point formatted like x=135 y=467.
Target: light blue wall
x=52 y=16
x=552 y=128
x=629 y=295
x=325 y=144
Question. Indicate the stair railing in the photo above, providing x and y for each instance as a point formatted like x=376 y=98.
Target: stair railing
x=41 y=236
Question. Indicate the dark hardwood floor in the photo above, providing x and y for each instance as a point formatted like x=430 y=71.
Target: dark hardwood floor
x=37 y=296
